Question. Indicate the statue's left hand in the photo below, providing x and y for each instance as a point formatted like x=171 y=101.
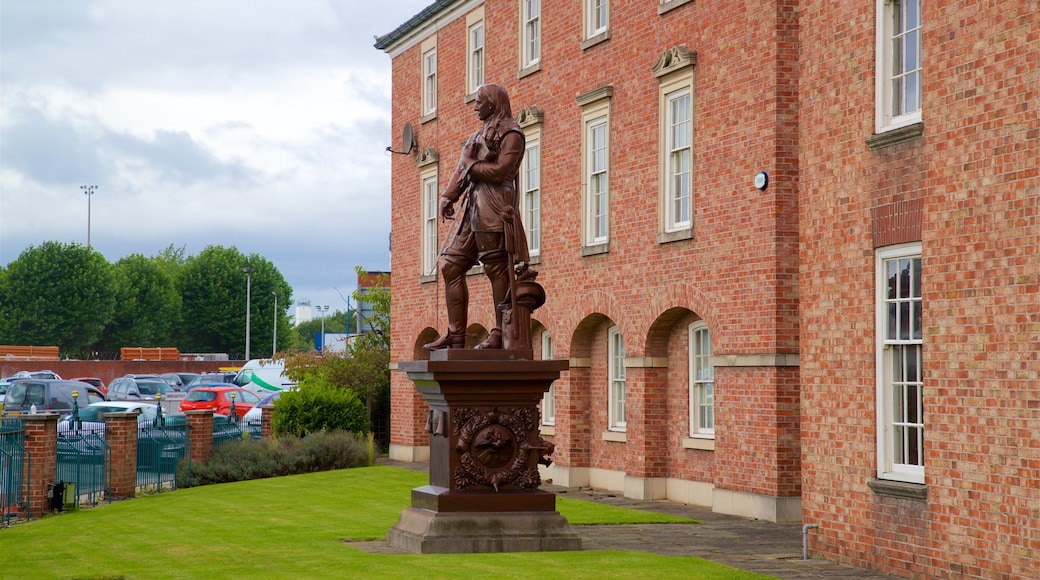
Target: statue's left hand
x=447 y=208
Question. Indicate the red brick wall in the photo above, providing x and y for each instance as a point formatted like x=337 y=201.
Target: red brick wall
x=106 y=370
x=41 y=442
x=121 y=436
x=974 y=170
x=738 y=273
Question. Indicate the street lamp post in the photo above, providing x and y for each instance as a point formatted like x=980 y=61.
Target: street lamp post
x=249 y=299
x=274 y=341
x=322 y=310
x=89 y=191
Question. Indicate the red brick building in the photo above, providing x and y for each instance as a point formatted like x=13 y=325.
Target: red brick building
x=634 y=263
x=795 y=276
x=920 y=285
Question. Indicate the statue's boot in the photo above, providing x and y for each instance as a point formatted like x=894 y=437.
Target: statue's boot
x=493 y=341
x=456 y=296
x=448 y=340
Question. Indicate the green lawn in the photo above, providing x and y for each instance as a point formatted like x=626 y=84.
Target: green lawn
x=299 y=527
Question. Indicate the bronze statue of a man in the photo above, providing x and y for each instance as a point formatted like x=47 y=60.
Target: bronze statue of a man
x=489 y=229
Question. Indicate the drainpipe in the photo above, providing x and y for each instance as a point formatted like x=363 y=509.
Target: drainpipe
x=805 y=539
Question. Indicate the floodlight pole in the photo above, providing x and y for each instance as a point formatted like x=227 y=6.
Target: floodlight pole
x=89 y=191
x=274 y=341
x=249 y=298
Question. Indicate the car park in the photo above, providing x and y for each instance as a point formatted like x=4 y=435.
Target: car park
x=218 y=399
x=179 y=381
x=100 y=384
x=255 y=414
x=138 y=388
x=25 y=396
x=214 y=377
x=263 y=377
x=91 y=417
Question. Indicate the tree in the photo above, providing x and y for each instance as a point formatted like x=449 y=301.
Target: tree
x=364 y=367
x=213 y=285
x=171 y=260
x=57 y=294
x=148 y=306
x=378 y=300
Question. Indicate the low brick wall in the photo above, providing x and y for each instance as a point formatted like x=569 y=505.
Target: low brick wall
x=106 y=370
x=41 y=437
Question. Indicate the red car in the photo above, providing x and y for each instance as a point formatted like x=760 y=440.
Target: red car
x=100 y=384
x=218 y=400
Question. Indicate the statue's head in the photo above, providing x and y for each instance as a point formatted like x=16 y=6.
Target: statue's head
x=496 y=95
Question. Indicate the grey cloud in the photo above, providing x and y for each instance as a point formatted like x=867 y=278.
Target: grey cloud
x=49 y=151
x=178 y=157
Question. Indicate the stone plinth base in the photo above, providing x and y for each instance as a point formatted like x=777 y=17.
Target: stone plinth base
x=422 y=531
x=439 y=499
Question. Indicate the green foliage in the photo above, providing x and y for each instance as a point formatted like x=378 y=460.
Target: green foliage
x=149 y=306
x=57 y=294
x=364 y=367
x=69 y=296
x=334 y=323
x=171 y=260
x=378 y=301
x=247 y=460
x=213 y=288
x=318 y=405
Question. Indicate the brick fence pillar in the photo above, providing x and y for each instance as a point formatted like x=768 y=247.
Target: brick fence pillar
x=200 y=435
x=121 y=435
x=266 y=429
x=41 y=442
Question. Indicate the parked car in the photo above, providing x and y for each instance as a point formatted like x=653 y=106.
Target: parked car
x=218 y=377
x=194 y=386
x=179 y=381
x=92 y=416
x=218 y=400
x=48 y=396
x=254 y=415
x=100 y=384
x=137 y=388
x=30 y=375
x=179 y=420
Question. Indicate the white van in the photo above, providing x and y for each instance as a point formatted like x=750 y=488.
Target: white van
x=263 y=376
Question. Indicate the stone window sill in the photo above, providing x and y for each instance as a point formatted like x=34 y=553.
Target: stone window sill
x=593 y=41
x=668 y=5
x=615 y=436
x=529 y=70
x=702 y=443
x=899 y=489
x=895 y=136
x=676 y=236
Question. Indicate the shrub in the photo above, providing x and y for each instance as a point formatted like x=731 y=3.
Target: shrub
x=316 y=405
x=247 y=459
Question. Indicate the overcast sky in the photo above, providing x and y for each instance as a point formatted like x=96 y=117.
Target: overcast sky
x=259 y=124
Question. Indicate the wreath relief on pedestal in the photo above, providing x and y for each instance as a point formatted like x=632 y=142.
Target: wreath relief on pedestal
x=494 y=448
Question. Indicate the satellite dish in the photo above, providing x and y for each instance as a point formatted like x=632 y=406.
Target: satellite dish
x=408 y=142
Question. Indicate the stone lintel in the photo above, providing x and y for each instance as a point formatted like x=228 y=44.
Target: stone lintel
x=755 y=360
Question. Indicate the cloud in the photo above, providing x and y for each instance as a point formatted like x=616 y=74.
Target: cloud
x=255 y=123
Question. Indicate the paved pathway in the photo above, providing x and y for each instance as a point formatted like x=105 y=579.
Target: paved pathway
x=754 y=545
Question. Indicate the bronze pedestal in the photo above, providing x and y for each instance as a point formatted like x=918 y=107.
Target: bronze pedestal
x=485 y=449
